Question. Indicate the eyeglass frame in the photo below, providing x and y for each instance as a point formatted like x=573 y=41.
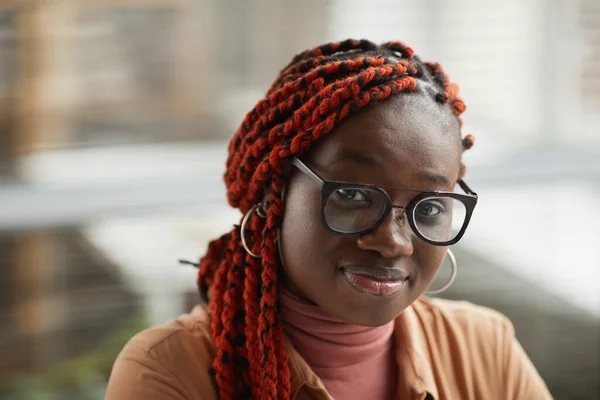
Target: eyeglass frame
x=328 y=187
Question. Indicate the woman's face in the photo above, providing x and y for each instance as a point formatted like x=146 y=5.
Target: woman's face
x=409 y=142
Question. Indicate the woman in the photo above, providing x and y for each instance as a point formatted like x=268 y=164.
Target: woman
x=345 y=173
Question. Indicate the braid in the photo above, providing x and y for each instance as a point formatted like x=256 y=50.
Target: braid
x=313 y=94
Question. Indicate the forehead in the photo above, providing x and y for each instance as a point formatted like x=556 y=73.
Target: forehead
x=408 y=133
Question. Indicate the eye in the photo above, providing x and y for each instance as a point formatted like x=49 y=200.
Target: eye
x=353 y=195
x=430 y=209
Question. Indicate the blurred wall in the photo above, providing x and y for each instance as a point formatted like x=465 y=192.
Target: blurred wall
x=114 y=116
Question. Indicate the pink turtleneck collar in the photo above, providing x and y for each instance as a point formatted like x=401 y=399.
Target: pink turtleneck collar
x=352 y=361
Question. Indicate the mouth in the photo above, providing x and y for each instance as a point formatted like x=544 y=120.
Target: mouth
x=375 y=281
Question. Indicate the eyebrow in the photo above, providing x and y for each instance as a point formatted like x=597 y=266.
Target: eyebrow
x=357 y=157
x=435 y=178
x=365 y=159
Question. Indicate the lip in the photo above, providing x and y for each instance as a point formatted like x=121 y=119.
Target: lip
x=375 y=281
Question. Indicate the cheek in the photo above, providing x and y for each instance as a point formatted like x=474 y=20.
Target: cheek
x=430 y=259
x=302 y=236
x=308 y=250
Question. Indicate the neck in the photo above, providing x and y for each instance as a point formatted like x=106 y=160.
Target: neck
x=327 y=342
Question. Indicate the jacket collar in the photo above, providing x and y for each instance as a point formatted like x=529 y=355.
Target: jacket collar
x=416 y=380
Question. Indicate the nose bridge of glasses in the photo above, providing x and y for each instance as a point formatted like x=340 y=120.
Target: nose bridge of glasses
x=400 y=197
x=400 y=209
x=398 y=220
x=399 y=214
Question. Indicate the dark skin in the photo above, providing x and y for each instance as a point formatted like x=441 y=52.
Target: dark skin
x=408 y=141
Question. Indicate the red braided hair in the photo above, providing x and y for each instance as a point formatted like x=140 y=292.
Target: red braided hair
x=314 y=93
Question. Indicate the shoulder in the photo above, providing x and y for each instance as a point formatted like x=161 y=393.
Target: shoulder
x=463 y=342
x=463 y=316
x=475 y=348
x=478 y=334
x=174 y=357
x=188 y=331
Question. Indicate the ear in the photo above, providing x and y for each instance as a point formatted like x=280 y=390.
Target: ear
x=267 y=196
x=462 y=172
x=268 y=193
x=287 y=169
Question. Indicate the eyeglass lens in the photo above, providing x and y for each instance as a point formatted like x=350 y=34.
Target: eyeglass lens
x=351 y=210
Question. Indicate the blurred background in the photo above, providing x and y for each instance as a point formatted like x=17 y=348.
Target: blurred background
x=114 y=116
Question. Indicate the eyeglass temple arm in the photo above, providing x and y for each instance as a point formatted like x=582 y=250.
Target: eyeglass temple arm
x=302 y=167
x=466 y=187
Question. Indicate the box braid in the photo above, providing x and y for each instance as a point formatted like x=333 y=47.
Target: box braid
x=313 y=94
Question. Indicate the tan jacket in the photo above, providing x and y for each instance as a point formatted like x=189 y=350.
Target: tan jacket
x=445 y=350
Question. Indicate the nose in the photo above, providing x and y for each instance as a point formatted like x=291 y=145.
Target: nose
x=392 y=238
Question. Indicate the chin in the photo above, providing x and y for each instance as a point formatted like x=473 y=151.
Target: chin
x=360 y=307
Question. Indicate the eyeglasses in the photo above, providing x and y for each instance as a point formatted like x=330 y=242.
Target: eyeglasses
x=352 y=209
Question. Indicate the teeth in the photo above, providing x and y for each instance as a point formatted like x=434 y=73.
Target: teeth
x=376 y=277
x=372 y=275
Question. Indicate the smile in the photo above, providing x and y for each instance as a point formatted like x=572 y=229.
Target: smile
x=378 y=282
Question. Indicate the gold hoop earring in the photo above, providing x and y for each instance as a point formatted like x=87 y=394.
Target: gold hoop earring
x=452 y=275
x=261 y=213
